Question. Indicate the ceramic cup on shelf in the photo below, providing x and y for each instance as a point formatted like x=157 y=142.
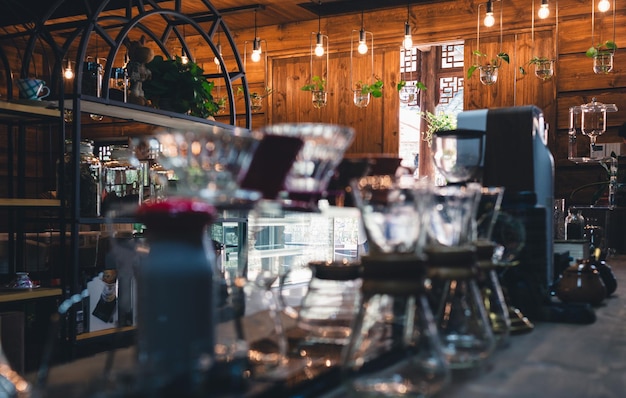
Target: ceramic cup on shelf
x=32 y=89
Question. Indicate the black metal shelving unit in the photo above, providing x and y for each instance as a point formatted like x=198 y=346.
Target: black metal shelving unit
x=101 y=29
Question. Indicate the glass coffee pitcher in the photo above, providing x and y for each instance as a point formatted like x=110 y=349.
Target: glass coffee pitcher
x=325 y=315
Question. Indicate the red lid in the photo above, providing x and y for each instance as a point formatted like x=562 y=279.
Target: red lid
x=172 y=210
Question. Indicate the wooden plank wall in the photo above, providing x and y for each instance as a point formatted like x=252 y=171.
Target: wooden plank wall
x=565 y=39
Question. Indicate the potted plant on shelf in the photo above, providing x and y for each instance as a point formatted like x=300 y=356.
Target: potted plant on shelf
x=544 y=67
x=602 y=55
x=317 y=87
x=256 y=99
x=408 y=93
x=363 y=92
x=440 y=121
x=489 y=69
x=179 y=87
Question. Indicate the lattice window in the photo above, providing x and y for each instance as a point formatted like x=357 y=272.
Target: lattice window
x=448 y=87
x=452 y=56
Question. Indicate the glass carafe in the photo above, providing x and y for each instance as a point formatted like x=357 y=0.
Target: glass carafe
x=487 y=263
x=325 y=315
x=395 y=350
x=463 y=322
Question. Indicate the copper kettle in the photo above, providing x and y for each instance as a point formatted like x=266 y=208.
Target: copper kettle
x=581 y=283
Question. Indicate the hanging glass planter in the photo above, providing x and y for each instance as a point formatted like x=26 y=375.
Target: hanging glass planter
x=362 y=91
x=544 y=69
x=603 y=63
x=486 y=65
x=488 y=74
x=256 y=102
x=360 y=99
x=319 y=52
x=407 y=94
x=319 y=98
x=604 y=51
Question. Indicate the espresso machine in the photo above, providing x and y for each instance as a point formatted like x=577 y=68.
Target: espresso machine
x=516 y=156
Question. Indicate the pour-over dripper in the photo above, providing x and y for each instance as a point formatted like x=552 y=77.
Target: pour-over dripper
x=208 y=164
x=394 y=348
x=394 y=211
x=324 y=146
x=458 y=154
x=452 y=221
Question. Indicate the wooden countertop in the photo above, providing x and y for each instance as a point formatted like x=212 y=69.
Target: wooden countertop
x=553 y=360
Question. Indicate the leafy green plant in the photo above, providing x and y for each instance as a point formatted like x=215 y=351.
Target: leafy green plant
x=605 y=47
x=495 y=62
x=255 y=94
x=375 y=89
x=179 y=87
x=534 y=61
x=317 y=84
x=437 y=122
x=402 y=84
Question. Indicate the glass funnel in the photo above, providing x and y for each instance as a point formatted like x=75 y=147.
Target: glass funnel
x=458 y=154
x=593 y=119
x=324 y=146
x=452 y=220
x=208 y=164
x=394 y=212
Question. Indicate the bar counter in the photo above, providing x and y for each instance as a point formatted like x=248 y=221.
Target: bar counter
x=553 y=360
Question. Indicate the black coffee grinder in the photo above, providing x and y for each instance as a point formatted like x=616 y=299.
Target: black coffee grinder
x=516 y=157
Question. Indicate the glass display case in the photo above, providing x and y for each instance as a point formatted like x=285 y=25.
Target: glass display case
x=286 y=244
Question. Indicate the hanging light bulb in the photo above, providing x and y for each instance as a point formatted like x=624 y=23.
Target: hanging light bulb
x=407 y=43
x=219 y=52
x=256 y=50
x=604 y=5
x=68 y=73
x=256 y=44
x=544 y=11
x=319 y=46
x=489 y=19
x=217 y=57
x=362 y=48
x=183 y=57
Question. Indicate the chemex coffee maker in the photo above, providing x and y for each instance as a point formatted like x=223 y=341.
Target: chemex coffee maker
x=516 y=157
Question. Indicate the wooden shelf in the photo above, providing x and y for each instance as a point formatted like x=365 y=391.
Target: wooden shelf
x=12 y=295
x=104 y=332
x=27 y=111
x=146 y=115
x=20 y=202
